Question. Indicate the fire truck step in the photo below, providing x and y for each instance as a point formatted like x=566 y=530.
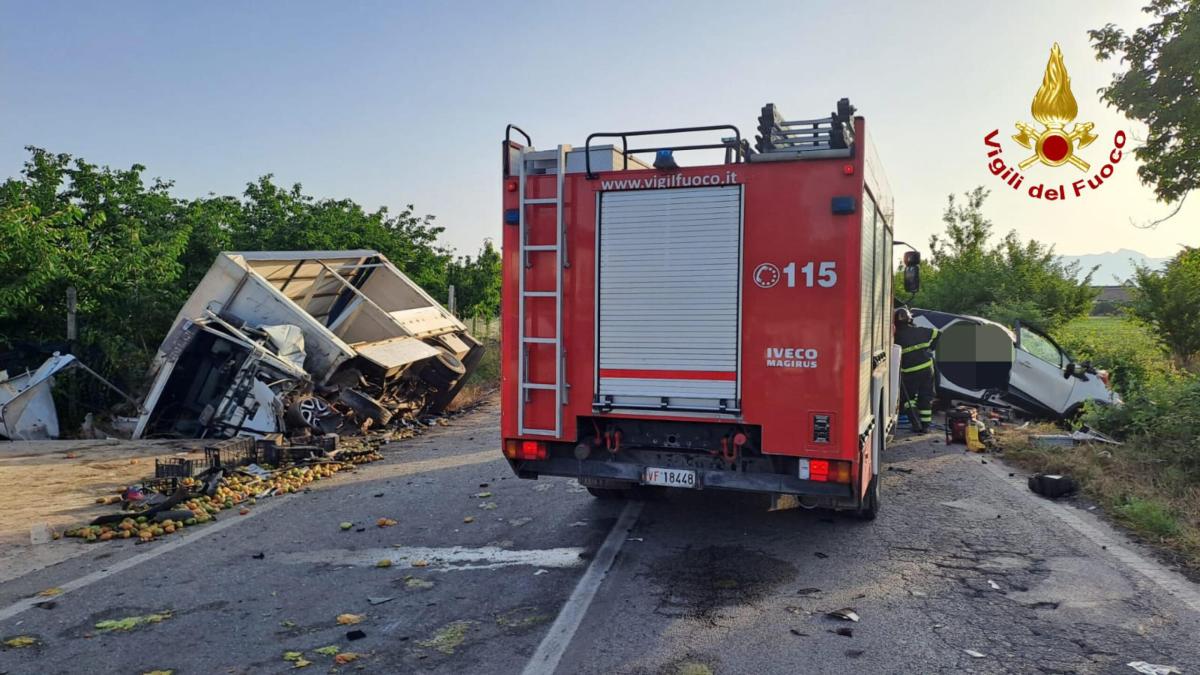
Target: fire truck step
x=539 y=385
x=541 y=294
x=546 y=200
x=539 y=341
x=542 y=247
x=526 y=431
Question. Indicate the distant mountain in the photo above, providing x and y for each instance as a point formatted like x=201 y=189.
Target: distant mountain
x=1115 y=267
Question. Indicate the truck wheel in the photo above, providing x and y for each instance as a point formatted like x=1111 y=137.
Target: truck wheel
x=870 y=505
x=607 y=493
x=442 y=371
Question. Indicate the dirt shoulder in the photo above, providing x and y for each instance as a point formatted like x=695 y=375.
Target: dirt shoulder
x=55 y=484
x=1154 y=501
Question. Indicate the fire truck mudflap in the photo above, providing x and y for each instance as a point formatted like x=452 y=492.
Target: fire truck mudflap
x=710 y=327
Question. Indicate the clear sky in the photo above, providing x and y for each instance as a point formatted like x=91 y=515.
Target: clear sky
x=391 y=103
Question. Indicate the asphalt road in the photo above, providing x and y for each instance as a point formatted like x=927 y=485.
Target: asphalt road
x=961 y=558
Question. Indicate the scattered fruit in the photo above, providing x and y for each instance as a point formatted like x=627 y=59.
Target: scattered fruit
x=344 y=658
x=350 y=619
x=386 y=562
x=385 y=522
x=346 y=526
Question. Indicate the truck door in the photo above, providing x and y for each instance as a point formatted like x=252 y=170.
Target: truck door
x=668 y=303
x=1038 y=370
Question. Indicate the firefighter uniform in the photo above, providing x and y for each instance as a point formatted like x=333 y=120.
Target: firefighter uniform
x=916 y=368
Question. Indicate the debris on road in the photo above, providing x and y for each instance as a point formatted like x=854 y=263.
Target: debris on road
x=845 y=614
x=278 y=341
x=974 y=654
x=21 y=642
x=355 y=634
x=449 y=637
x=386 y=562
x=345 y=657
x=380 y=600
x=345 y=525
x=1153 y=669
x=131 y=622
x=843 y=631
x=385 y=522
x=1052 y=486
x=417 y=584
x=1077 y=437
x=995 y=586
x=349 y=619
x=331 y=650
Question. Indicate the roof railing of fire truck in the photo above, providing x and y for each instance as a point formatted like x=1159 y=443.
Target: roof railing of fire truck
x=735 y=144
x=510 y=145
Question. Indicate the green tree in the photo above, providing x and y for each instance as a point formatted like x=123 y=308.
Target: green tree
x=107 y=233
x=1161 y=88
x=274 y=218
x=477 y=282
x=1010 y=280
x=1168 y=301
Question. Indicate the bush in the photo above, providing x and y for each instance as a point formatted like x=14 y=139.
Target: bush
x=1126 y=350
x=1164 y=416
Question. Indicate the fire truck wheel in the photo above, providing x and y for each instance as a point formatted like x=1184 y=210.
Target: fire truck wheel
x=442 y=371
x=607 y=494
x=870 y=505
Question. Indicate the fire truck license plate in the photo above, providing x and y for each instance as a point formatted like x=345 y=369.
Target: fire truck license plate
x=670 y=477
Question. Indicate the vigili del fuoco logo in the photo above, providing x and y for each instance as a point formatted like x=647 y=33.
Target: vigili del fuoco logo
x=1052 y=143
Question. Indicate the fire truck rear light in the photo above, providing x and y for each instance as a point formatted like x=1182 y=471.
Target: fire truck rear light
x=839 y=472
x=843 y=205
x=528 y=450
x=825 y=471
x=848 y=169
x=510 y=186
x=818 y=470
x=512 y=216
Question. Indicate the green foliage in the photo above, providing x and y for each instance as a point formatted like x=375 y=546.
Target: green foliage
x=1149 y=517
x=1164 y=412
x=1011 y=280
x=1160 y=88
x=1125 y=348
x=133 y=252
x=1169 y=302
x=477 y=282
x=103 y=231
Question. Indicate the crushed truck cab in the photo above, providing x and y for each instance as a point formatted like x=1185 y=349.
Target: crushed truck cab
x=705 y=327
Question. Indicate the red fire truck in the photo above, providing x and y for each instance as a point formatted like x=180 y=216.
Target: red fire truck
x=725 y=326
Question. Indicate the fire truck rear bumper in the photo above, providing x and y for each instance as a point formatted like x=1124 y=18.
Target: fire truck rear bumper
x=614 y=474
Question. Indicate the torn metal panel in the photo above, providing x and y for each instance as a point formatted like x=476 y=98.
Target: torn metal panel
x=396 y=353
x=27 y=409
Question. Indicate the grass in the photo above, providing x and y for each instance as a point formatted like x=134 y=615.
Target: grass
x=1139 y=484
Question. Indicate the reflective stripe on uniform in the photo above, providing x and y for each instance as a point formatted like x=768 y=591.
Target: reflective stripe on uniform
x=923 y=366
x=923 y=345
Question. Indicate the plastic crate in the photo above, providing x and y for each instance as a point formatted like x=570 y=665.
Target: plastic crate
x=163 y=485
x=178 y=467
x=232 y=452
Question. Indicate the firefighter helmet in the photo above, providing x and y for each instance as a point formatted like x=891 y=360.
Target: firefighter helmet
x=903 y=316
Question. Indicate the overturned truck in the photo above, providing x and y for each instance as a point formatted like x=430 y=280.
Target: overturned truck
x=273 y=341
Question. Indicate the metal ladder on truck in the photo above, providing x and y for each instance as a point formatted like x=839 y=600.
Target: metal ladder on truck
x=558 y=251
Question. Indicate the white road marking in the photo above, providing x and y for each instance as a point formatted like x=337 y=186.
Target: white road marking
x=1173 y=584
x=446 y=559
x=189 y=536
x=558 y=638
x=157 y=549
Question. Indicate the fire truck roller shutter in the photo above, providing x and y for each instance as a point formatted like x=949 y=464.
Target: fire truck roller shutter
x=668 y=300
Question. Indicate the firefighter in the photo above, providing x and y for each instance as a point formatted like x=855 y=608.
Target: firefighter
x=916 y=367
